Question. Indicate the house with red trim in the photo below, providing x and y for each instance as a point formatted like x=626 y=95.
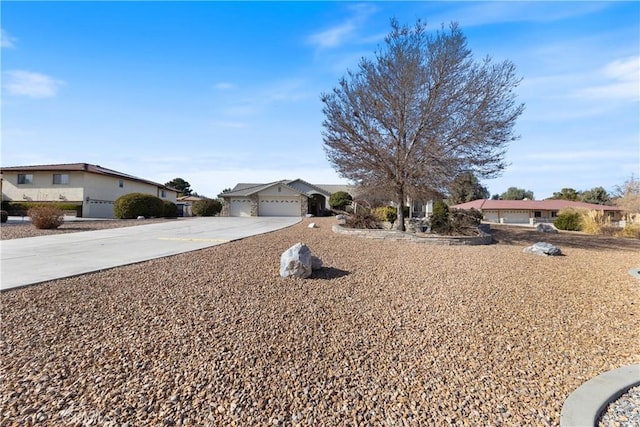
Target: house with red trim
x=531 y=211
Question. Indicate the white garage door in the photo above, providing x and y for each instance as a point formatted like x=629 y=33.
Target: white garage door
x=98 y=209
x=240 y=207
x=279 y=206
x=491 y=216
x=516 y=217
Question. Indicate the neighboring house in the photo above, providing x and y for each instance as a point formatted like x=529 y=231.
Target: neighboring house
x=94 y=187
x=185 y=205
x=280 y=198
x=531 y=211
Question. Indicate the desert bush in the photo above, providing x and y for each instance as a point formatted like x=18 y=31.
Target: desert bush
x=568 y=219
x=593 y=221
x=169 y=209
x=206 y=207
x=340 y=200
x=4 y=216
x=386 y=213
x=133 y=205
x=363 y=219
x=46 y=217
x=439 y=219
x=630 y=230
x=465 y=218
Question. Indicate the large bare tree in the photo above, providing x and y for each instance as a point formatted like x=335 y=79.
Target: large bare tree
x=419 y=113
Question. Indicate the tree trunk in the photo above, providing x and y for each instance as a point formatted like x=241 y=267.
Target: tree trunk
x=400 y=221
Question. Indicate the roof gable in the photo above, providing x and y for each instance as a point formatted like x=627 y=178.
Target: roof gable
x=307 y=188
x=246 y=190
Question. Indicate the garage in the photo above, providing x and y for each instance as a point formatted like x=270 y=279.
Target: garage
x=515 y=217
x=98 y=209
x=491 y=216
x=279 y=206
x=240 y=207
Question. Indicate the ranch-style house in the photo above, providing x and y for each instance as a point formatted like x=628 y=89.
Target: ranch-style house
x=531 y=211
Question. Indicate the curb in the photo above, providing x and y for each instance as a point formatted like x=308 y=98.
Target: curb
x=584 y=406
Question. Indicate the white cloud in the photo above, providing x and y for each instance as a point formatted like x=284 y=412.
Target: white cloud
x=32 y=84
x=333 y=36
x=623 y=81
x=6 y=40
x=338 y=34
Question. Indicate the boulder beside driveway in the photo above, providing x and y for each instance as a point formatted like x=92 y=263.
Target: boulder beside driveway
x=542 y=248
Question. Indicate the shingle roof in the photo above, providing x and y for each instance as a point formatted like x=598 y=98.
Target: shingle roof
x=545 y=205
x=247 y=189
x=81 y=167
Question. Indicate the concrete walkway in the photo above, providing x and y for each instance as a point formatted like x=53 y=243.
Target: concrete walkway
x=39 y=259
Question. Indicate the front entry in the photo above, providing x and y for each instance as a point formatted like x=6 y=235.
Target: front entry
x=317 y=205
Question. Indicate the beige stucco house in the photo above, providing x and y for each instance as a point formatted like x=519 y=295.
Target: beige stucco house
x=280 y=198
x=95 y=187
x=531 y=211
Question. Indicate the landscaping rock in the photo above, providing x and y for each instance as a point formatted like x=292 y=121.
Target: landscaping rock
x=312 y=225
x=542 y=248
x=546 y=228
x=316 y=263
x=296 y=261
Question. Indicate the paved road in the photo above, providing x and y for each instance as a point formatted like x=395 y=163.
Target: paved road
x=38 y=259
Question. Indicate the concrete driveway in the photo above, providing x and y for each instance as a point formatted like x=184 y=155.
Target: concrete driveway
x=39 y=259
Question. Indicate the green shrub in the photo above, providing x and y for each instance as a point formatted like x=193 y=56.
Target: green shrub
x=386 y=213
x=340 y=200
x=133 y=205
x=568 y=220
x=169 y=209
x=362 y=219
x=46 y=217
x=206 y=207
x=4 y=216
x=439 y=219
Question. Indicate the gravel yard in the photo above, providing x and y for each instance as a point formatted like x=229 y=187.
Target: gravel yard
x=387 y=333
x=20 y=230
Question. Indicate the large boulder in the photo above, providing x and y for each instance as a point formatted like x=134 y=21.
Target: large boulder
x=297 y=261
x=546 y=228
x=542 y=248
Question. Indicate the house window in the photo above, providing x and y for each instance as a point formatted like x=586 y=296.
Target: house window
x=163 y=193
x=554 y=214
x=121 y=184
x=61 y=178
x=25 y=178
x=537 y=214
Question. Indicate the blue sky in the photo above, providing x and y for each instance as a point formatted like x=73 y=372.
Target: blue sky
x=224 y=92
